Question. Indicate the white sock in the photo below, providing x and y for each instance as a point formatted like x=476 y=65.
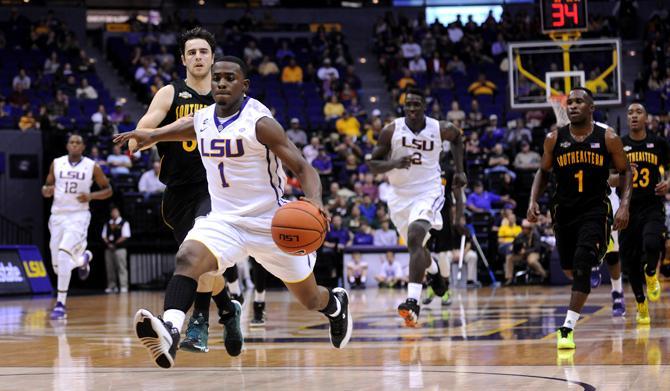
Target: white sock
x=363 y=279
x=176 y=317
x=571 y=319
x=414 y=291
x=617 y=285
x=432 y=269
x=259 y=296
x=65 y=266
x=234 y=287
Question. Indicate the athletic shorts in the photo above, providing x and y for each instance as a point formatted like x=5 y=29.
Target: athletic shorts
x=405 y=208
x=231 y=239
x=648 y=224
x=182 y=205
x=68 y=233
x=591 y=231
x=613 y=245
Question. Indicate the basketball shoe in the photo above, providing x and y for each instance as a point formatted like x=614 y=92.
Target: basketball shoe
x=341 y=325
x=232 y=332
x=197 y=334
x=409 y=311
x=618 y=304
x=85 y=269
x=59 y=311
x=642 y=317
x=653 y=287
x=564 y=338
x=160 y=338
x=436 y=281
x=259 y=315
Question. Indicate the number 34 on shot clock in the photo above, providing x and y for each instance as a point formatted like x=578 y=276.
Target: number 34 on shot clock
x=564 y=15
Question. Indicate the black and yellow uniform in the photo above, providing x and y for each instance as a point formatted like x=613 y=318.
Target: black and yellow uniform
x=581 y=209
x=643 y=239
x=186 y=196
x=445 y=239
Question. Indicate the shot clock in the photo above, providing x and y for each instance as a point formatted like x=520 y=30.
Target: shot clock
x=563 y=15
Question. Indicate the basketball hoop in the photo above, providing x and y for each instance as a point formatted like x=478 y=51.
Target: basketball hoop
x=558 y=104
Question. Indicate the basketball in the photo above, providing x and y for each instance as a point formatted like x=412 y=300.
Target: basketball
x=298 y=228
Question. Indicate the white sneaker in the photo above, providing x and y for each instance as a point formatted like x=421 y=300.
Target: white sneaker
x=124 y=290
x=111 y=290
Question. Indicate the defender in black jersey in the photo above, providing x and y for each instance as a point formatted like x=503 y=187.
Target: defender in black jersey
x=642 y=241
x=580 y=155
x=186 y=196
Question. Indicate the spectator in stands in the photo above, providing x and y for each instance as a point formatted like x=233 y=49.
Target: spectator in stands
x=498 y=161
x=117 y=115
x=456 y=65
x=482 y=86
x=480 y=201
x=309 y=74
x=284 y=51
x=98 y=117
x=85 y=64
x=407 y=80
x=86 y=91
x=391 y=275
x=333 y=109
x=252 y=53
x=507 y=231
x=364 y=235
x=268 y=67
x=526 y=248
x=472 y=147
x=442 y=80
x=337 y=238
x=354 y=218
x=296 y=134
x=518 y=133
x=499 y=47
x=164 y=57
x=18 y=98
x=323 y=163
x=70 y=86
x=384 y=236
x=367 y=208
x=28 y=121
x=347 y=94
x=351 y=78
x=312 y=150
x=149 y=183
x=146 y=71
x=156 y=85
x=417 y=65
x=98 y=158
x=5 y=110
x=526 y=159
x=52 y=64
x=357 y=271
x=493 y=134
x=456 y=115
x=21 y=80
x=348 y=125
x=115 y=233
x=410 y=49
x=292 y=73
x=327 y=72
x=369 y=187
x=118 y=162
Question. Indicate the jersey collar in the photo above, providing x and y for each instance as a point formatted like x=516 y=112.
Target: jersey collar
x=220 y=126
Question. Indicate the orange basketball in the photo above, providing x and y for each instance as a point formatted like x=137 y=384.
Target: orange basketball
x=298 y=228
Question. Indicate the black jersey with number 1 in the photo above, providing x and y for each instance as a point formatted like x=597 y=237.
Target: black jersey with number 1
x=581 y=170
x=180 y=161
x=650 y=155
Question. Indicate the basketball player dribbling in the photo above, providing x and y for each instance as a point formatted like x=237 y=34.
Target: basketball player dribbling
x=69 y=183
x=408 y=150
x=186 y=197
x=242 y=148
x=580 y=155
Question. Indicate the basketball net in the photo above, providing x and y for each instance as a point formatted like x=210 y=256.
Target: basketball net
x=557 y=103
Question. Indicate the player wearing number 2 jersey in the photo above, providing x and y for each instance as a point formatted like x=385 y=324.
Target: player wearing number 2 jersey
x=409 y=151
x=580 y=155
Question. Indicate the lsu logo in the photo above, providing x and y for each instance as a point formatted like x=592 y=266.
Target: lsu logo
x=289 y=238
x=34 y=269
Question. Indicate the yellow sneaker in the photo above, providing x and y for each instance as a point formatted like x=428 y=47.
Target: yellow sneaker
x=642 y=317
x=564 y=338
x=653 y=287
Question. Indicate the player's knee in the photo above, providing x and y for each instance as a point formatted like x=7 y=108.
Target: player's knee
x=65 y=262
x=585 y=258
x=416 y=235
x=612 y=258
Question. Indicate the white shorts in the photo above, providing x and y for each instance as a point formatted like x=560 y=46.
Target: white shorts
x=613 y=245
x=68 y=233
x=407 y=208
x=249 y=236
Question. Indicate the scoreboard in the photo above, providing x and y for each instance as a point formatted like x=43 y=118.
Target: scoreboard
x=563 y=15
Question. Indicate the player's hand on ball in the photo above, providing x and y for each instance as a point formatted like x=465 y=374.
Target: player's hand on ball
x=662 y=188
x=141 y=139
x=319 y=205
x=403 y=162
x=460 y=180
x=84 y=197
x=621 y=219
x=533 y=212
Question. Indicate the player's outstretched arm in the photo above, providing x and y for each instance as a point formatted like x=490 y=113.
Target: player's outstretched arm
x=103 y=183
x=48 y=188
x=158 y=109
x=379 y=162
x=270 y=133
x=180 y=130
x=620 y=163
x=541 y=177
x=454 y=135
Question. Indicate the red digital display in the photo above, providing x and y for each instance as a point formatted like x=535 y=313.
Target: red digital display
x=563 y=15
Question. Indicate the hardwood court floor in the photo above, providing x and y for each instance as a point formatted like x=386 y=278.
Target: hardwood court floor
x=487 y=339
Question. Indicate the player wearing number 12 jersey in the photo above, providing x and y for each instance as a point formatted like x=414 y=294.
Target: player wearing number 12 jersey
x=580 y=155
x=409 y=150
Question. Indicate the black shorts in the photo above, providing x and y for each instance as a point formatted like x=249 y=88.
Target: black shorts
x=590 y=230
x=648 y=224
x=181 y=205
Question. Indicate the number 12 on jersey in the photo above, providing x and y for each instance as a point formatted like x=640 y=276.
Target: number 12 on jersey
x=223 y=176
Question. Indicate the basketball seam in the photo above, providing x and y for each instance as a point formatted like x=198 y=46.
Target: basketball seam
x=288 y=206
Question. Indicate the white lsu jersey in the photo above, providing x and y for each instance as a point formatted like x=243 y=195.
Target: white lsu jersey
x=71 y=180
x=245 y=179
x=424 y=149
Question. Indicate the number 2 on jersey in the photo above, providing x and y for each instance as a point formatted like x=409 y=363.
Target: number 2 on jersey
x=580 y=180
x=223 y=176
x=643 y=175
